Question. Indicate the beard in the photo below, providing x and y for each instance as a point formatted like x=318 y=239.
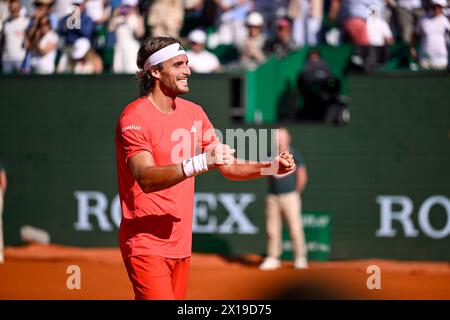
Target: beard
x=173 y=88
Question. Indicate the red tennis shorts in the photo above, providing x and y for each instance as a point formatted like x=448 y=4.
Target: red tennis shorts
x=158 y=278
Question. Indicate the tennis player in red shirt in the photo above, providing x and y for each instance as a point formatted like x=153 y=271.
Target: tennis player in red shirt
x=162 y=143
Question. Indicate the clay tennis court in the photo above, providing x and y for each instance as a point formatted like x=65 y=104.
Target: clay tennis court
x=39 y=272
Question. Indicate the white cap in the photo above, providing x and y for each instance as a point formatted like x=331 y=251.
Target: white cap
x=77 y=1
x=80 y=48
x=131 y=3
x=197 y=36
x=442 y=3
x=255 y=19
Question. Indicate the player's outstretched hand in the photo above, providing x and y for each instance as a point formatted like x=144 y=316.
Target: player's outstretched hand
x=220 y=154
x=285 y=162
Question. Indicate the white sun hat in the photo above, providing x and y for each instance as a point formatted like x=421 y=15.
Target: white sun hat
x=80 y=48
x=442 y=3
x=255 y=19
x=197 y=36
x=131 y=3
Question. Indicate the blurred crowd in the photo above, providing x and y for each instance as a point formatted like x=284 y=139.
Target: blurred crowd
x=96 y=36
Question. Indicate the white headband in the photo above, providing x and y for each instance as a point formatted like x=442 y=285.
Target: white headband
x=164 y=54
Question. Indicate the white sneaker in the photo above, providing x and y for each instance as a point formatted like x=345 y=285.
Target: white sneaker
x=301 y=263
x=270 y=263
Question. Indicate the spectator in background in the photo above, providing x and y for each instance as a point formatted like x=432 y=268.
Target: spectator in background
x=252 y=49
x=12 y=38
x=283 y=44
x=62 y=8
x=98 y=10
x=3 y=185
x=201 y=60
x=72 y=27
x=380 y=38
x=128 y=26
x=378 y=30
x=4 y=12
x=271 y=10
x=353 y=15
x=42 y=8
x=198 y=14
x=407 y=14
x=312 y=84
x=165 y=18
x=85 y=59
x=194 y=7
x=232 y=17
x=315 y=69
x=432 y=30
x=284 y=199
x=42 y=44
x=307 y=18
x=321 y=92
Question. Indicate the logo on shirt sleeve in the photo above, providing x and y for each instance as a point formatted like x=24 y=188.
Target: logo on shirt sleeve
x=131 y=127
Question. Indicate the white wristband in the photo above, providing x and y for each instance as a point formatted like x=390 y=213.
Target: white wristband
x=195 y=165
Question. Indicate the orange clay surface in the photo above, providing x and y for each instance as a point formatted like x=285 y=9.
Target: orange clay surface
x=39 y=272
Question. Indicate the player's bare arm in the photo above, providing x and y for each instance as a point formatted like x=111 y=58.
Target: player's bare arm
x=153 y=178
x=251 y=170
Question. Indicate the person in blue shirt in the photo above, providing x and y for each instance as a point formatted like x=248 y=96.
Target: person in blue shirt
x=72 y=27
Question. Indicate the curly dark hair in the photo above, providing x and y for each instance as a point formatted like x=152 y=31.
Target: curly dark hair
x=148 y=47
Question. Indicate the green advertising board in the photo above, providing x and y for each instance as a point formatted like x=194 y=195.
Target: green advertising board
x=317 y=229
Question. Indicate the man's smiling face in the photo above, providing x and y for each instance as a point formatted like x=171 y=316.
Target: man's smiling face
x=174 y=76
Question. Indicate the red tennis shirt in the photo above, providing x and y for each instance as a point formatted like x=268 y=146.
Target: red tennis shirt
x=158 y=223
